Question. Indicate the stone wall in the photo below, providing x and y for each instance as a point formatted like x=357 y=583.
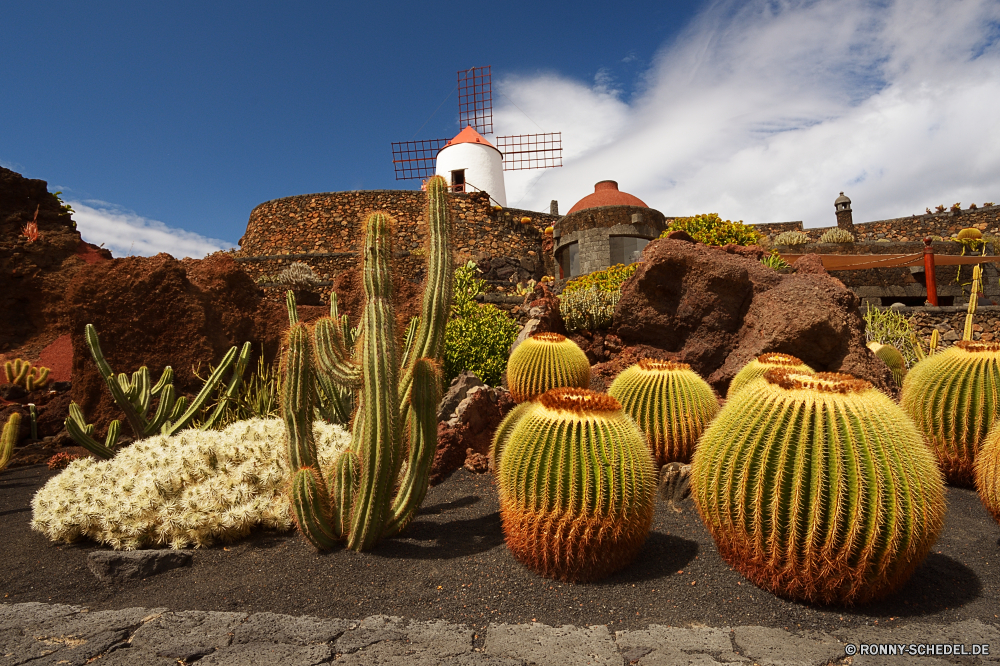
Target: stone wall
x=950 y=322
x=592 y=228
x=326 y=231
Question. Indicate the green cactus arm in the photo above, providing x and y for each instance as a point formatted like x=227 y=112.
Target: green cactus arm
x=337 y=402
x=140 y=395
x=8 y=372
x=9 y=438
x=977 y=274
x=166 y=379
x=232 y=389
x=379 y=447
x=36 y=379
x=135 y=420
x=293 y=313
x=411 y=337
x=114 y=429
x=79 y=430
x=21 y=370
x=163 y=411
x=330 y=356
x=342 y=492
x=424 y=398
x=203 y=395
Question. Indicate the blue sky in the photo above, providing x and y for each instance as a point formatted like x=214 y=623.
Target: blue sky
x=165 y=124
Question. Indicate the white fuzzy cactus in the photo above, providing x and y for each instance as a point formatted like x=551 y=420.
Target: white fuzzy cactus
x=189 y=489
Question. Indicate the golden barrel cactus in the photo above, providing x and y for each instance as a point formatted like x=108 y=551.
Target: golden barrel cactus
x=577 y=486
x=670 y=403
x=953 y=397
x=818 y=487
x=893 y=358
x=546 y=361
x=757 y=367
x=988 y=472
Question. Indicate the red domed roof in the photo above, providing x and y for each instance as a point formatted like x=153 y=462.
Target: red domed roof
x=606 y=193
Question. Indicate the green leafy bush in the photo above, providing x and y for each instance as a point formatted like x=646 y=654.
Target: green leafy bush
x=791 y=238
x=711 y=230
x=589 y=309
x=837 y=235
x=477 y=337
x=774 y=261
x=610 y=279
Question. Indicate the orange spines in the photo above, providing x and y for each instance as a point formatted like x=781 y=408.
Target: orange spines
x=988 y=472
x=577 y=486
x=757 y=367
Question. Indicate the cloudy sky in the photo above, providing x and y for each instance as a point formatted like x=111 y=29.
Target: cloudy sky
x=165 y=125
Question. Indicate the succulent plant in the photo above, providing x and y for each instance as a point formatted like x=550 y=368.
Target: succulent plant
x=8 y=438
x=970 y=233
x=791 y=238
x=988 y=472
x=756 y=368
x=298 y=275
x=23 y=373
x=837 y=235
x=503 y=432
x=818 y=487
x=189 y=489
x=367 y=495
x=892 y=358
x=670 y=403
x=546 y=361
x=577 y=486
x=134 y=397
x=953 y=397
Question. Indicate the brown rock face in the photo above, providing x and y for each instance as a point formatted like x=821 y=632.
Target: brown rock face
x=465 y=439
x=717 y=310
x=159 y=311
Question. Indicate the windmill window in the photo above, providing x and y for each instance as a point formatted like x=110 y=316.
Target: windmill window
x=569 y=260
x=458 y=180
x=627 y=249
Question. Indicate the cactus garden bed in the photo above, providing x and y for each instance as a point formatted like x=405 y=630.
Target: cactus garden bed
x=452 y=563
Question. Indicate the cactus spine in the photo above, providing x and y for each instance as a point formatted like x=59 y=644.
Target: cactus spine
x=953 y=397
x=988 y=472
x=577 y=486
x=134 y=397
x=9 y=438
x=757 y=367
x=365 y=497
x=892 y=358
x=546 y=361
x=671 y=404
x=818 y=487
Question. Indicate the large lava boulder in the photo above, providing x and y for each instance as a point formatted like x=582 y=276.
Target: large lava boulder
x=717 y=310
x=159 y=311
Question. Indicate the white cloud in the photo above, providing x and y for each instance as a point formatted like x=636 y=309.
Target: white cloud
x=125 y=233
x=765 y=110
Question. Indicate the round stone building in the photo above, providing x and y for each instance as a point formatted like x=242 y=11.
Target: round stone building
x=605 y=228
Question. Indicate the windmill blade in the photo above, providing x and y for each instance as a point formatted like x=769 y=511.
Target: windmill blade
x=416 y=159
x=530 y=151
x=475 y=98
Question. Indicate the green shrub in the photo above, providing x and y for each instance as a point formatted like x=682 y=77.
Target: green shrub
x=711 y=230
x=837 y=235
x=610 y=279
x=477 y=337
x=589 y=309
x=774 y=261
x=791 y=238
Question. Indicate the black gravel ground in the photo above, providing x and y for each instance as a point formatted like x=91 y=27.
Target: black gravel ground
x=451 y=563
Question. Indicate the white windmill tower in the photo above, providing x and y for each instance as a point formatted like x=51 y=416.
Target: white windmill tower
x=469 y=161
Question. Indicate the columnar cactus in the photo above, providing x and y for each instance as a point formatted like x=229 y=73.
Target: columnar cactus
x=818 y=488
x=365 y=497
x=757 y=367
x=9 y=438
x=953 y=397
x=21 y=372
x=546 y=361
x=134 y=397
x=988 y=472
x=892 y=358
x=577 y=486
x=671 y=404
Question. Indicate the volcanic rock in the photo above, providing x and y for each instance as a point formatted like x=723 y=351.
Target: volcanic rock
x=126 y=565
x=718 y=310
x=469 y=434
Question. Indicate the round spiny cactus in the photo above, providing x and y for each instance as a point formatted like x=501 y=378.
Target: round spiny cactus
x=503 y=432
x=577 y=486
x=970 y=233
x=818 y=488
x=670 y=403
x=892 y=358
x=953 y=397
x=988 y=472
x=756 y=368
x=546 y=361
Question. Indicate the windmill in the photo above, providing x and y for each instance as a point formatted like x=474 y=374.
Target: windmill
x=469 y=161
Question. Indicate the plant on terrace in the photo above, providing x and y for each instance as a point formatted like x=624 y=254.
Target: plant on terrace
x=710 y=229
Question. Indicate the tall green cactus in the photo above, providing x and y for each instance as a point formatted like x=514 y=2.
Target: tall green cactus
x=893 y=358
x=954 y=398
x=366 y=497
x=577 y=486
x=818 y=487
x=670 y=403
x=9 y=438
x=134 y=397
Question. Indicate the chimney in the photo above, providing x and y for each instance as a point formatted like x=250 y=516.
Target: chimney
x=845 y=219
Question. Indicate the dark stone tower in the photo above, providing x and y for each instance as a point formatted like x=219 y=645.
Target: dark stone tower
x=845 y=219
